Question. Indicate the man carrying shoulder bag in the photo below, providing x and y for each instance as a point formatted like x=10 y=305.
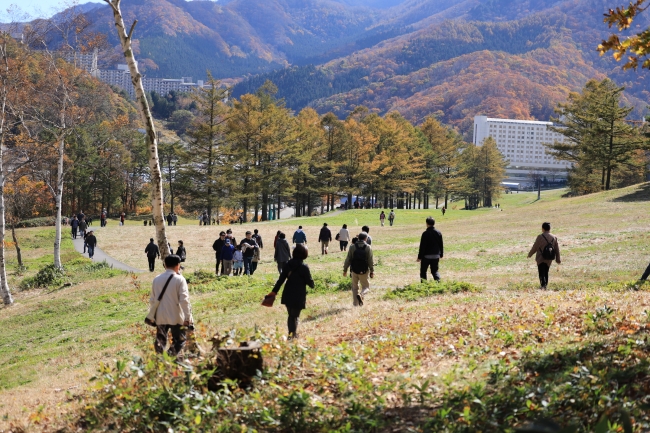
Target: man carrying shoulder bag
x=170 y=308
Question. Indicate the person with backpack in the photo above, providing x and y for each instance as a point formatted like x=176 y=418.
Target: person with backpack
x=299 y=237
x=382 y=218
x=360 y=262
x=546 y=249
x=91 y=243
x=282 y=251
x=431 y=251
x=391 y=217
x=152 y=252
x=343 y=236
x=294 y=296
x=227 y=254
x=325 y=237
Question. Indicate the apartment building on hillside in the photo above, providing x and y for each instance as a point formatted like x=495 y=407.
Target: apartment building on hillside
x=522 y=144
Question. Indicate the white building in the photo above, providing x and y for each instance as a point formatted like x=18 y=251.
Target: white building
x=522 y=144
x=121 y=77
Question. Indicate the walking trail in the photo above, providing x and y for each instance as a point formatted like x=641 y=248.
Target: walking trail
x=101 y=256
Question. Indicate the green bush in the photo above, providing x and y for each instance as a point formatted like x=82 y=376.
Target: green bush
x=46 y=277
x=327 y=283
x=36 y=222
x=416 y=291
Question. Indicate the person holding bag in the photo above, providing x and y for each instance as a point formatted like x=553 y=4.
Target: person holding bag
x=294 y=297
x=169 y=307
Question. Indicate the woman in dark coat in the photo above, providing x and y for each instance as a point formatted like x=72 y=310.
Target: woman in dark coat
x=294 y=296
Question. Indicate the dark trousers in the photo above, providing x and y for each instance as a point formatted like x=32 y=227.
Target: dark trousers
x=292 y=321
x=247 y=265
x=646 y=274
x=253 y=267
x=178 y=338
x=424 y=266
x=152 y=263
x=219 y=262
x=280 y=266
x=344 y=245
x=74 y=233
x=91 y=251
x=543 y=269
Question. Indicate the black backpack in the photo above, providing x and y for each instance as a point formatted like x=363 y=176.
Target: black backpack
x=548 y=252
x=359 y=263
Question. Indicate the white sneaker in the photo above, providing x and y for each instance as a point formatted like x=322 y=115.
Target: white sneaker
x=364 y=292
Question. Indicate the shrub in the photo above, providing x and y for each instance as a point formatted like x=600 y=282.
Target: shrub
x=424 y=289
x=46 y=277
x=331 y=283
x=200 y=276
x=36 y=222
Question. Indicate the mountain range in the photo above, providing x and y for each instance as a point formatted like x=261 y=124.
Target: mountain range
x=451 y=58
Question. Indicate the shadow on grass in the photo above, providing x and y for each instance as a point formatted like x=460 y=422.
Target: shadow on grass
x=573 y=387
x=322 y=314
x=641 y=194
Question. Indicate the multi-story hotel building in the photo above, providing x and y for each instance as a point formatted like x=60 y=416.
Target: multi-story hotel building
x=522 y=144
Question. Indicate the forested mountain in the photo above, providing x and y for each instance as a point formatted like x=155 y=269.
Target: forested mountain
x=456 y=58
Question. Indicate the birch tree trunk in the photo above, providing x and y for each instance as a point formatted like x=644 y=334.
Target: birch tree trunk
x=145 y=112
x=58 y=198
x=5 y=293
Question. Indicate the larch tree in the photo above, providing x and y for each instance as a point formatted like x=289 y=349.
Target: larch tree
x=126 y=41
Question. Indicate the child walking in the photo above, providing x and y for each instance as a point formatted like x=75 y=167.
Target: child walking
x=238 y=261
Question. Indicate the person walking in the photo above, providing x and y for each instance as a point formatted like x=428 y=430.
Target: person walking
x=299 y=237
x=546 y=249
x=391 y=217
x=275 y=240
x=169 y=219
x=74 y=226
x=174 y=218
x=382 y=218
x=152 y=252
x=282 y=251
x=294 y=296
x=366 y=230
x=91 y=242
x=360 y=261
x=257 y=257
x=102 y=219
x=325 y=237
x=431 y=251
x=226 y=254
x=258 y=238
x=181 y=252
x=248 y=245
x=122 y=218
x=231 y=237
x=343 y=237
x=238 y=261
x=174 y=311
x=83 y=226
x=217 y=246
x=444 y=210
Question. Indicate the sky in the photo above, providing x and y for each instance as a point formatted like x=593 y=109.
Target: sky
x=37 y=8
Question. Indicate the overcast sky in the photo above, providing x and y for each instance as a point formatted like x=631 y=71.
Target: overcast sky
x=37 y=8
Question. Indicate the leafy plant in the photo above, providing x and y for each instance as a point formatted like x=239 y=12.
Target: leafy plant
x=416 y=291
x=46 y=277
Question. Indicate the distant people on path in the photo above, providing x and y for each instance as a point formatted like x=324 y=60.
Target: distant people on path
x=546 y=249
x=102 y=219
x=366 y=230
x=206 y=218
x=258 y=238
x=227 y=254
x=83 y=226
x=444 y=210
x=382 y=218
x=282 y=251
x=181 y=252
x=89 y=221
x=237 y=261
x=325 y=237
x=391 y=217
x=74 y=226
x=360 y=262
x=294 y=296
x=174 y=311
x=174 y=218
x=169 y=219
x=91 y=243
x=217 y=246
x=431 y=250
x=248 y=245
x=299 y=237
x=152 y=252
x=343 y=237
x=81 y=215
x=122 y=218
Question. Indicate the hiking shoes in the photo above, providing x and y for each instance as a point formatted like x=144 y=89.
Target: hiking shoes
x=360 y=300
x=364 y=292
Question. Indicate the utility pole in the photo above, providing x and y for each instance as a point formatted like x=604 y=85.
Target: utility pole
x=539 y=188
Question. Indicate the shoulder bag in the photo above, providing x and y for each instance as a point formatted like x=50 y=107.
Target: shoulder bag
x=151 y=317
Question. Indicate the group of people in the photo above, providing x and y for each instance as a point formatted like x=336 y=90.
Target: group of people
x=237 y=258
x=171 y=218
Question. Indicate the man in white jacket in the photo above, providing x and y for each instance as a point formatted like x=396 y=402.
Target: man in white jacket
x=174 y=311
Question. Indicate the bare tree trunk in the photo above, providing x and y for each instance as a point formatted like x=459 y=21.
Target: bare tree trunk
x=19 y=256
x=145 y=112
x=58 y=197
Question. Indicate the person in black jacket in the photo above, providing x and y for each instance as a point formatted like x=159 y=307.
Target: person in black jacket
x=325 y=237
x=217 y=246
x=181 y=252
x=294 y=296
x=152 y=252
x=431 y=251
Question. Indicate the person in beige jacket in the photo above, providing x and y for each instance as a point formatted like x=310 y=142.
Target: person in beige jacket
x=544 y=264
x=174 y=311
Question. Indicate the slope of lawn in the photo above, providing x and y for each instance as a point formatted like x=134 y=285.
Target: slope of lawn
x=485 y=355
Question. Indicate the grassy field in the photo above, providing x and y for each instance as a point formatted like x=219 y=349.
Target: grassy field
x=54 y=338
